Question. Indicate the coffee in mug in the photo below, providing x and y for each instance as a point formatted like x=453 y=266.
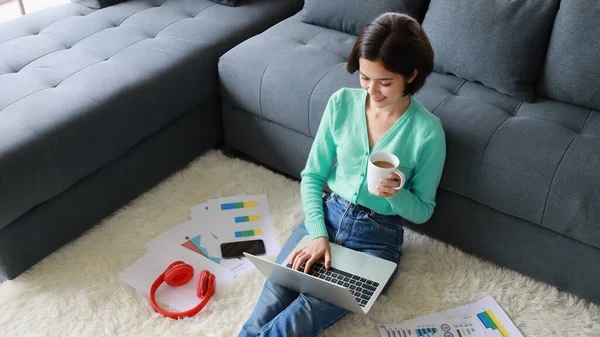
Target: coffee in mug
x=381 y=165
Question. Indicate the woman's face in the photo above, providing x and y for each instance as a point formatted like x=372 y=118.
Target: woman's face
x=384 y=87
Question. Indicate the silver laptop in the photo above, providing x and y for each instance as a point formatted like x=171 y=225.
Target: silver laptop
x=353 y=282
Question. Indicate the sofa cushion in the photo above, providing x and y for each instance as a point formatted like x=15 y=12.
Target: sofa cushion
x=97 y=3
x=572 y=69
x=534 y=161
x=351 y=16
x=80 y=87
x=287 y=73
x=501 y=45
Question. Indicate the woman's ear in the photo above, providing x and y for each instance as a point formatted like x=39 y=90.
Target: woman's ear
x=413 y=76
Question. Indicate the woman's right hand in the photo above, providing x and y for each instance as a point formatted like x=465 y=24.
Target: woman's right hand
x=315 y=250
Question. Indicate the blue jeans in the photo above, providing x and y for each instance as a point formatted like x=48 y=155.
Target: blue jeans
x=284 y=312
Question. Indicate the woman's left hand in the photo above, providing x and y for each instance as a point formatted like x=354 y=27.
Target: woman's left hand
x=386 y=186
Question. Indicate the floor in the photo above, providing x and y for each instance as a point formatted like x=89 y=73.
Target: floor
x=77 y=290
x=11 y=10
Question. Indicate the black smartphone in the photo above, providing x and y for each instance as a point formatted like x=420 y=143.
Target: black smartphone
x=230 y=250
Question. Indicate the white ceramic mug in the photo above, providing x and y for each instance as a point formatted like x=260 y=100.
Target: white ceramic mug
x=387 y=163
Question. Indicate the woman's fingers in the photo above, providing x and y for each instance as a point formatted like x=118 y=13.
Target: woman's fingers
x=310 y=262
x=311 y=253
x=327 y=259
x=385 y=190
x=296 y=259
x=294 y=254
x=390 y=182
x=300 y=259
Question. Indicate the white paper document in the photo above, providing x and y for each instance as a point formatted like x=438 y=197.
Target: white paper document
x=486 y=312
x=142 y=273
x=198 y=242
x=198 y=212
x=200 y=239
x=485 y=317
x=443 y=329
x=243 y=218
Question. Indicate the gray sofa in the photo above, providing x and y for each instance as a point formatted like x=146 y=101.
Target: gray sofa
x=516 y=87
x=98 y=105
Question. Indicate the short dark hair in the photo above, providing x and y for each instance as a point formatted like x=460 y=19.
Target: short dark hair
x=399 y=42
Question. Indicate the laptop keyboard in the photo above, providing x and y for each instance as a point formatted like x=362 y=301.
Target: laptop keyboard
x=362 y=289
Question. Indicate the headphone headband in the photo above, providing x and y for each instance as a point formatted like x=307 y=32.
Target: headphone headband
x=177 y=274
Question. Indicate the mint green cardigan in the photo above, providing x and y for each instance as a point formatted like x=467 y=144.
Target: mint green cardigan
x=417 y=139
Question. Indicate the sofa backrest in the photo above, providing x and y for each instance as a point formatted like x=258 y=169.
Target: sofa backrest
x=351 y=16
x=499 y=43
x=521 y=48
x=572 y=69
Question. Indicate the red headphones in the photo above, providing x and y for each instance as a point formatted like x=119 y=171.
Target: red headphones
x=177 y=274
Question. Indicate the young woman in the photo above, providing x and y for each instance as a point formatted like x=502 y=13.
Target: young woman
x=393 y=56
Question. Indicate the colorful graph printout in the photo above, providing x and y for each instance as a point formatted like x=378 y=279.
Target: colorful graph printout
x=447 y=329
x=486 y=314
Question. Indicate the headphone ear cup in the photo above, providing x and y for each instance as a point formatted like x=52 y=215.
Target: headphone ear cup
x=175 y=264
x=178 y=274
x=203 y=282
x=212 y=284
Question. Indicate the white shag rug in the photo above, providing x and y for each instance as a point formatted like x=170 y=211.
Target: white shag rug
x=76 y=290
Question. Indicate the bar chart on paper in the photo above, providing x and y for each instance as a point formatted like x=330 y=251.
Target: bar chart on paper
x=247 y=218
x=238 y=205
x=486 y=315
x=408 y=332
x=431 y=330
x=243 y=218
x=493 y=318
x=246 y=225
x=248 y=233
x=494 y=327
x=463 y=330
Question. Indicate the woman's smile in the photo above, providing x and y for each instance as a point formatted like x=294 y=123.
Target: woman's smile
x=378 y=99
